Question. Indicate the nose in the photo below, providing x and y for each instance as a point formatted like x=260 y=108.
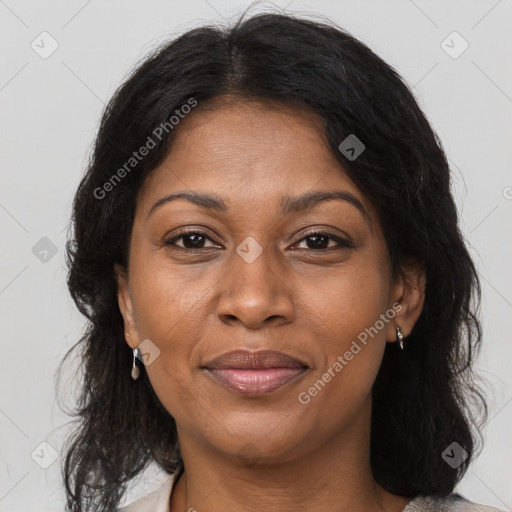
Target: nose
x=255 y=295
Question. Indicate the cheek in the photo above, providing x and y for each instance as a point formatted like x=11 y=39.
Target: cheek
x=163 y=298
x=173 y=309
x=169 y=313
x=348 y=302
x=346 y=312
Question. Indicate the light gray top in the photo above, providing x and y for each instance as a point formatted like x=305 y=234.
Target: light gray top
x=158 y=501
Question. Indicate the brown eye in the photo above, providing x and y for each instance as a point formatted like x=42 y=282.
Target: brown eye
x=191 y=240
x=321 y=240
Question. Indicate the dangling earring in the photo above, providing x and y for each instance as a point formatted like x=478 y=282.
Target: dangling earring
x=135 y=368
x=400 y=337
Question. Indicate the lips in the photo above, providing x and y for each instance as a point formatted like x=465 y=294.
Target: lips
x=255 y=373
x=264 y=359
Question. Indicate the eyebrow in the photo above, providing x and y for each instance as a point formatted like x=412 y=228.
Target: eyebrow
x=289 y=204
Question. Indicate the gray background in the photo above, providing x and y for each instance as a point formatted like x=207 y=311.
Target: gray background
x=50 y=110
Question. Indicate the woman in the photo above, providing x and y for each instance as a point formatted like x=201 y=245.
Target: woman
x=281 y=306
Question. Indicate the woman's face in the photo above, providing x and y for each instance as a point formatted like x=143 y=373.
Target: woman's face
x=255 y=277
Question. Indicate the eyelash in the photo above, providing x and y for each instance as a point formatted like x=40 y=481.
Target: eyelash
x=342 y=244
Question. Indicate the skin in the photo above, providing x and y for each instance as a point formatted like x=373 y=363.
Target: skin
x=268 y=453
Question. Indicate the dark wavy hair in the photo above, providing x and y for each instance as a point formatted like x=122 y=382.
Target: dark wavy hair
x=423 y=397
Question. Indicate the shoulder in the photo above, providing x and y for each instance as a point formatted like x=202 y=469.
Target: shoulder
x=452 y=503
x=155 y=501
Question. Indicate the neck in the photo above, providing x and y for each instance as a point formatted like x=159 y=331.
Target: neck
x=335 y=475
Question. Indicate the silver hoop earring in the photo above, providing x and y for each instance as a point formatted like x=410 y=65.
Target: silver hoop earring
x=400 y=337
x=135 y=368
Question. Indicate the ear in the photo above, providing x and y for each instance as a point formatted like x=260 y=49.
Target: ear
x=409 y=292
x=124 y=300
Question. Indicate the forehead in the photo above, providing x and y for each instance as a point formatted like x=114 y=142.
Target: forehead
x=253 y=124
x=248 y=152
x=245 y=136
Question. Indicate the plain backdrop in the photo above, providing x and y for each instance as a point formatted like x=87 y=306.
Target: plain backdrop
x=49 y=112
